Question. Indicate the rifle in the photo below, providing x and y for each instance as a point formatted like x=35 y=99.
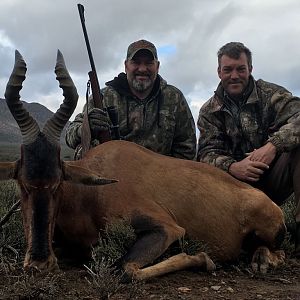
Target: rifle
x=102 y=136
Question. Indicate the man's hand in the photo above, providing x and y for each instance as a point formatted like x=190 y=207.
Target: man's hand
x=247 y=170
x=255 y=164
x=99 y=122
x=264 y=154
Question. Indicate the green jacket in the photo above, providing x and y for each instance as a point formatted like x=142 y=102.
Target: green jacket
x=268 y=113
x=163 y=122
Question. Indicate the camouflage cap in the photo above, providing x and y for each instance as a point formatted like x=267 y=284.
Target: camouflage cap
x=134 y=47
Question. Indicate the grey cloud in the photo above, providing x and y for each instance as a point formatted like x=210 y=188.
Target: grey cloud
x=197 y=29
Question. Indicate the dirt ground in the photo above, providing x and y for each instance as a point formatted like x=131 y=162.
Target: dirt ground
x=227 y=282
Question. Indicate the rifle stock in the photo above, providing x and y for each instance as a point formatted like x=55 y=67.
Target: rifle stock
x=97 y=96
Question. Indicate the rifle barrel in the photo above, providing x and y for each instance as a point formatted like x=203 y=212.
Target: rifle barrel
x=97 y=96
x=87 y=42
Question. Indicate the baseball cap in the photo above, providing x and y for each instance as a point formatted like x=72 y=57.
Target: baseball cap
x=134 y=47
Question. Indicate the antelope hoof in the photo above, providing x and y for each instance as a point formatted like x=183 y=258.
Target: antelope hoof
x=208 y=264
x=263 y=259
x=38 y=266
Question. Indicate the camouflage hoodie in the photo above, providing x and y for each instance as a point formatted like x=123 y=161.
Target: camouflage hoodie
x=162 y=122
x=267 y=113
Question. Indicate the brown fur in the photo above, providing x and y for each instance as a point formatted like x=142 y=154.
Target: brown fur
x=165 y=198
x=184 y=197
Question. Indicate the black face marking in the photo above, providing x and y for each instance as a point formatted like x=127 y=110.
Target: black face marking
x=41 y=159
x=41 y=170
x=40 y=247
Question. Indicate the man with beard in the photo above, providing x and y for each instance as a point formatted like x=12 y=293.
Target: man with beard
x=251 y=129
x=151 y=112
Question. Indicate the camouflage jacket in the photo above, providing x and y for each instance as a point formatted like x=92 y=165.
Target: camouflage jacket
x=269 y=113
x=162 y=123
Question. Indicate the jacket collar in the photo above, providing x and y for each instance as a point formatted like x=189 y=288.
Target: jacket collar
x=120 y=84
x=250 y=95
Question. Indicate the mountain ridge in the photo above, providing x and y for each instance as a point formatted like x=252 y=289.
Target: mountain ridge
x=9 y=129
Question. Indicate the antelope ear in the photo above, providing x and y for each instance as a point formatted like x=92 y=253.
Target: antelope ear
x=77 y=174
x=9 y=170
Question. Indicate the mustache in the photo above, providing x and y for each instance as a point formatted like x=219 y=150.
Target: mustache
x=235 y=81
x=142 y=74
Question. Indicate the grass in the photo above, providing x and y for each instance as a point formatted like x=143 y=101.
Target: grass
x=289 y=208
x=30 y=286
x=12 y=242
x=105 y=278
x=12 y=232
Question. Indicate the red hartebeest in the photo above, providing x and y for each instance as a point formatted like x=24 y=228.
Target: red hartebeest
x=164 y=198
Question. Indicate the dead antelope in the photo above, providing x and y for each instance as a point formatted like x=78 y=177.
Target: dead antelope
x=164 y=198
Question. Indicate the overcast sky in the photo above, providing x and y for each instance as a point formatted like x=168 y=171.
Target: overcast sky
x=186 y=33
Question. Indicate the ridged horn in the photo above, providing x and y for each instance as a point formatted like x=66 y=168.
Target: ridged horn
x=28 y=126
x=55 y=125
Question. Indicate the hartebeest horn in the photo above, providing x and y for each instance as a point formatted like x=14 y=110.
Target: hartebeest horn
x=55 y=125
x=28 y=126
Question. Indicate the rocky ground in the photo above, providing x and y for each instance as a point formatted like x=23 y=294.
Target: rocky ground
x=227 y=282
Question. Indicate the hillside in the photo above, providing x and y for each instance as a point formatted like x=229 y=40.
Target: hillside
x=9 y=130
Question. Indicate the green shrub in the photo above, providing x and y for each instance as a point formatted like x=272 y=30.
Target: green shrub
x=9 y=194
x=105 y=279
x=288 y=209
x=116 y=239
x=114 y=242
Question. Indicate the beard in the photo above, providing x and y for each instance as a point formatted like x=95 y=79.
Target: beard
x=141 y=85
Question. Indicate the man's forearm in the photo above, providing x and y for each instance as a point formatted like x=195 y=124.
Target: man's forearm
x=73 y=136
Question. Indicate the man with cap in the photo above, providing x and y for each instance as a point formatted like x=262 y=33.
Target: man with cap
x=151 y=112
